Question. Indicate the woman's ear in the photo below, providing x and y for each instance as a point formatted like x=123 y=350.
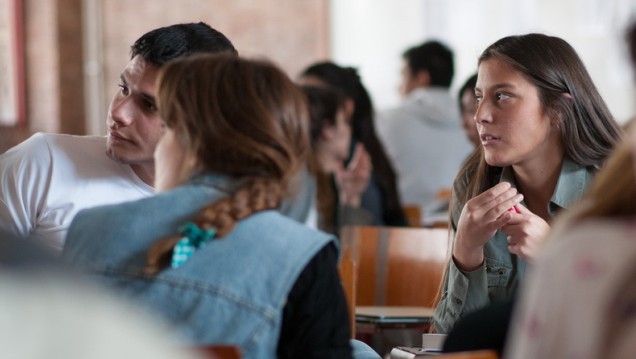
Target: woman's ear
x=557 y=117
x=349 y=107
x=328 y=132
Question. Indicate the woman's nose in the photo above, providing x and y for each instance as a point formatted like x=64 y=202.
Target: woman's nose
x=483 y=112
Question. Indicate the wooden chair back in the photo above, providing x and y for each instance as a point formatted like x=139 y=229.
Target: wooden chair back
x=397 y=266
x=220 y=351
x=348 y=277
x=413 y=215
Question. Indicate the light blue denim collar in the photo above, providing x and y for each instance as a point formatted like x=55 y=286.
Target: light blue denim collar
x=572 y=183
x=209 y=179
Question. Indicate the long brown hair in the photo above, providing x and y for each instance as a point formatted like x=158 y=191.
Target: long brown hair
x=587 y=129
x=348 y=82
x=241 y=118
x=324 y=104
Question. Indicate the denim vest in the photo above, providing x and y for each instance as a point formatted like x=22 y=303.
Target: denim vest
x=233 y=290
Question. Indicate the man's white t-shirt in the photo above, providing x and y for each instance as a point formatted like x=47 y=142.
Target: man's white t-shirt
x=47 y=179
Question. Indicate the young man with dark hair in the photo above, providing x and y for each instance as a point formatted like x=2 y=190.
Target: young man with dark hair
x=48 y=178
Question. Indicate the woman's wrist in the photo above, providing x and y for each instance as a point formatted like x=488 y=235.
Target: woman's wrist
x=468 y=258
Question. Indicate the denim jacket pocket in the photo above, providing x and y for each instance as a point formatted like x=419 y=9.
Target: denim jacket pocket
x=497 y=272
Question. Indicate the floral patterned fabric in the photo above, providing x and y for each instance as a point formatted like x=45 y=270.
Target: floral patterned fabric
x=579 y=300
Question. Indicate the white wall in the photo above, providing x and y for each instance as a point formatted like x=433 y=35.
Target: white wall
x=372 y=35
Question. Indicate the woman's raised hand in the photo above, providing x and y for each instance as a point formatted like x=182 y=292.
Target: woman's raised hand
x=480 y=219
x=526 y=232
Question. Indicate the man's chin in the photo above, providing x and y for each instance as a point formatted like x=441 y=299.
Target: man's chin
x=123 y=158
x=113 y=155
x=118 y=153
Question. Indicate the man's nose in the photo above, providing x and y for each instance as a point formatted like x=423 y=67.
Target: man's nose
x=123 y=111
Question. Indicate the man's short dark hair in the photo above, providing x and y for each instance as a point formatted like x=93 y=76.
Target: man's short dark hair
x=167 y=43
x=433 y=57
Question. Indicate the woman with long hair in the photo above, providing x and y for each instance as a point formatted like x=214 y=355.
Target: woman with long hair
x=381 y=197
x=544 y=132
x=210 y=253
x=339 y=201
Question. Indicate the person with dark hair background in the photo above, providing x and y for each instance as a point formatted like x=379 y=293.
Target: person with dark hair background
x=422 y=135
x=467 y=109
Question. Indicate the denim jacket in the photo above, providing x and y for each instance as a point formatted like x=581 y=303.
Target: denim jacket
x=232 y=290
x=499 y=275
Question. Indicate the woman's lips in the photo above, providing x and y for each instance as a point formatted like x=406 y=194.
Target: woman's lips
x=488 y=139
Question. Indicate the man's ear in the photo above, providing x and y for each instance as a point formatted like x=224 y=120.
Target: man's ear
x=422 y=78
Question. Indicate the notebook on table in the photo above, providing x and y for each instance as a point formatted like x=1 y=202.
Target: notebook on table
x=394 y=315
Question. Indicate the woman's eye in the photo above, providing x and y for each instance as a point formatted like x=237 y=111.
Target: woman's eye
x=502 y=96
x=478 y=98
x=150 y=106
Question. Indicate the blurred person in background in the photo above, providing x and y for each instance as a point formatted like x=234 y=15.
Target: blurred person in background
x=381 y=196
x=467 y=109
x=339 y=201
x=422 y=135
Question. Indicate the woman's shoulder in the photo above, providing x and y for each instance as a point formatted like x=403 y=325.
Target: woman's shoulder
x=147 y=213
x=584 y=236
x=281 y=231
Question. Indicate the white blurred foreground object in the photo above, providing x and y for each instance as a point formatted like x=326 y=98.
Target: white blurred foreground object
x=42 y=316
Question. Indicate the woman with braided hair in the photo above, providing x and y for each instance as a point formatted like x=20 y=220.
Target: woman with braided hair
x=210 y=253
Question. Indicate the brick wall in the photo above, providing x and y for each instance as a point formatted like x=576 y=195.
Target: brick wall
x=292 y=33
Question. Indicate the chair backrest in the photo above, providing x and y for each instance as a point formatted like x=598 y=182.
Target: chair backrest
x=474 y=354
x=413 y=215
x=220 y=351
x=397 y=266
x=348 y=277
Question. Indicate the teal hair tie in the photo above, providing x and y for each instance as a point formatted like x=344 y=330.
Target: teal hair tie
x=193 y=239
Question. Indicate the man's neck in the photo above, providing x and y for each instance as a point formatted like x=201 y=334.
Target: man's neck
x=145 y=172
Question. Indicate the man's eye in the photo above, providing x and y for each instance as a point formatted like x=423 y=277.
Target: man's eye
x=123 y=89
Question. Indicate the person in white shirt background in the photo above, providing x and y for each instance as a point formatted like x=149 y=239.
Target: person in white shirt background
x=423 y=135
